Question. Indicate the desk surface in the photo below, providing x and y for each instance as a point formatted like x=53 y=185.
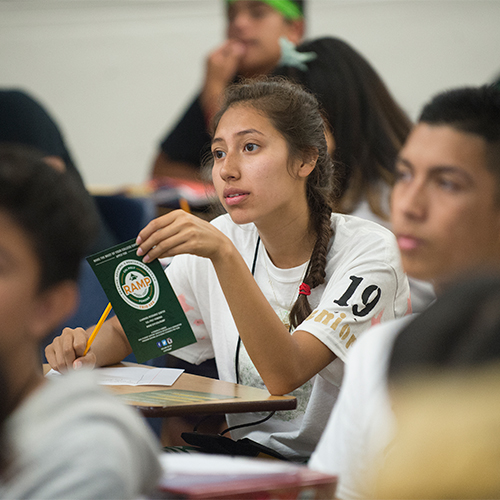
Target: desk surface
x=193 y=394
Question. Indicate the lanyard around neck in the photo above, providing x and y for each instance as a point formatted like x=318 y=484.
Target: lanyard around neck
x=238 y=345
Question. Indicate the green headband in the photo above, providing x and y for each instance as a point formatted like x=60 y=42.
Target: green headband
x=289 y=9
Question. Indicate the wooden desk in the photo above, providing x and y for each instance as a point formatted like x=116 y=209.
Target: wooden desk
x=193 y=394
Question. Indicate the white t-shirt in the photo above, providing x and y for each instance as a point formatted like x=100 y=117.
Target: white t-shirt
x=70 y=439
x=422 y=292
x=365 y=285
x=362 y=423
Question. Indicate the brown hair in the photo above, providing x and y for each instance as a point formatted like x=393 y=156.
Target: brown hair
x=368 y=125
x=295 y=114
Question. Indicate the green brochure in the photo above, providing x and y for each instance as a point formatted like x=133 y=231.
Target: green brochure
x=143 y=300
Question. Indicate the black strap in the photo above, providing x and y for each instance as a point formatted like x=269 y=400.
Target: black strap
x=238 y=345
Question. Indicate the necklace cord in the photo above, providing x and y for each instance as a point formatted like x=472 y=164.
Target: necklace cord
x=238 y=345
x=237 y=358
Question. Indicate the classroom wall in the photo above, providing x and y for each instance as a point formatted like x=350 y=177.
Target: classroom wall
x=117 y=73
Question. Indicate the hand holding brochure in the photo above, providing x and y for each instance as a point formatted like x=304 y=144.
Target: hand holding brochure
x=143 y=301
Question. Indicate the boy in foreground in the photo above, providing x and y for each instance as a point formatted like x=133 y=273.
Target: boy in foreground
x=64 y=437
x=446 y=217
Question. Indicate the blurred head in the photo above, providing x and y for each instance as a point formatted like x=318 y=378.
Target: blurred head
x=259 y=25
x=24 y=121
x=292 y=114
x=444 y=378
x=460 y=330
x=368 y=127
x=47 y=223
x=446 y=202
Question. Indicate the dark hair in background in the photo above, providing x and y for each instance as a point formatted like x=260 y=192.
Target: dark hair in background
x=27 y=122
x=53 y=209
x=472 y=110
x=24 y=121
x=368 y=125
x=295 y=114
x=461 y=329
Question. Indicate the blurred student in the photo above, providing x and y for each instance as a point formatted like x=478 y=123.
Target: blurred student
x=280 y=287
x=446 y=217
x=25 y=121
x=251 y=48
x=367 y=129
x=64 y=437
x=444 y=381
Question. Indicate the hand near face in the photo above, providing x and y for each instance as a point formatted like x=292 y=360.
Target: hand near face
x=66 y=351
x=222 y=66
x=222 y=63
x=178 y=233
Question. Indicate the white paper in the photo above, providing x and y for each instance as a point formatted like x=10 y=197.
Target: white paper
x=207 y=464
x=134 y=376
x=138 y=376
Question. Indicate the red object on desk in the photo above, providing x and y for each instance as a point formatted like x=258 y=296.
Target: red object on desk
x=290 y=483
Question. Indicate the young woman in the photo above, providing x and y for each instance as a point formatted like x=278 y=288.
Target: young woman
x=294 y=281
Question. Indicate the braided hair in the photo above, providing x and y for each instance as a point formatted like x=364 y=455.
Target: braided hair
x=295 y=114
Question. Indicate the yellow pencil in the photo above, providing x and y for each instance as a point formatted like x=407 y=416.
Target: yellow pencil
x=184 y=205
x=97 y=327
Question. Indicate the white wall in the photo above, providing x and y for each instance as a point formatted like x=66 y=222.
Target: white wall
x=117 y=73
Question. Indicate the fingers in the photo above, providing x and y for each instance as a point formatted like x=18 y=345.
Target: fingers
x=87 y=361
x=66 y=348
x=155 y=225
x=178 y=233
x=222 y=63
x=164 y=234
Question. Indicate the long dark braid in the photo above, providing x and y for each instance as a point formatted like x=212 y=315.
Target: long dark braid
x=296 y=114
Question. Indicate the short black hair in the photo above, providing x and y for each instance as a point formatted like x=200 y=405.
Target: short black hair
x=471 y=110
x=51 y=207
x=474 y=110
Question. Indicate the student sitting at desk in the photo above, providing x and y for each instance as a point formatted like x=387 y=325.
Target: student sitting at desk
x=65 y=438
x=296 y=282
x=251 y=48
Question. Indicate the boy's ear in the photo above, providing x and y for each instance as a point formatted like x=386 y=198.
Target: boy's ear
x=53 y=306
x=296 y=31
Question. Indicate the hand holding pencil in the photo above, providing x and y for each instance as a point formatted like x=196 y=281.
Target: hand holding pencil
x=66 y=351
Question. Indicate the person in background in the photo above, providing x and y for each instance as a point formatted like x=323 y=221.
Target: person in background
x=62 y=437
x=25 y=121
x=280 y=287
x=251 y=48
x=446 y=217
x=444 y=381
x=366 y=130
